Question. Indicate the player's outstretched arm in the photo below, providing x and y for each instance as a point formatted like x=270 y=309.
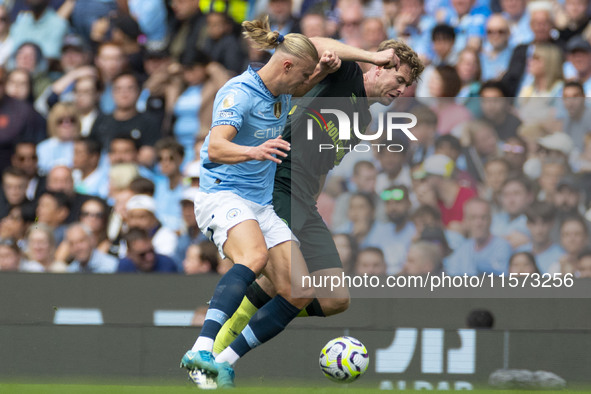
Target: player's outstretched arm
x=346 y=52
x=329 y=63
x=222 y=150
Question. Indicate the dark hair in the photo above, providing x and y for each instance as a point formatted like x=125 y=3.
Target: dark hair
x=170 y=144
x=575 y=218
x=62 y=199
x=194 y=58
x=141 y=185
x=480 y=318
x=125 y=136
x=367 y=197
x=452 y=84
x=362 y=163
x=493 y=85
x=98 y=84
x=372 y=249
x=426 y=210
x=450 y=140
x=14 y=171
x=93 y=147
x=127 y=73
x=104 y=206
x=135 y=234
x=541 y=210
x=443 y=32
x=525 y=182
x=574 y=84
x=209 y=252
x=530 y=257
x=585 y=253
x=348 y=265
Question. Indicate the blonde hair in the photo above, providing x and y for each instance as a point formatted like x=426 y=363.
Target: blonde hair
x=59 y=111
x=406 y=55
x=551 y=55
x=298 y=45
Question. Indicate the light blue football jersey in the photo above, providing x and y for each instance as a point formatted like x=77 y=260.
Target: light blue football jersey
x=245 y=103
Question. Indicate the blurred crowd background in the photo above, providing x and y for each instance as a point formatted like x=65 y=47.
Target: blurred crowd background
x=104 y=105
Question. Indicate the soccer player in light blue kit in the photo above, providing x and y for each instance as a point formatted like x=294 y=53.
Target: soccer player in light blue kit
x=233 y=207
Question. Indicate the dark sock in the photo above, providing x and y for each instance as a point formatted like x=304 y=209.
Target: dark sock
x=226 y=298
x=256 y=295
x=314 y=309
x=269 y=321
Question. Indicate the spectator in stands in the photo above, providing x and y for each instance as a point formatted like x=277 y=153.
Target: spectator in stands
x=579 y=55
x=151 y=15
x=202 y=258
x=482 y=252
x=582 y=161
x=221 y=45
x=553 y=147
x=443 y=38
x=583 y=268
x=169 y=187
x=373 y=32
x=19 y=85
x=189 y=233
x=16 y=124
x=86 y=258
x=25 y=158
x=423 y=257
x=60 y=179
x=496 y=51
x=347 y=250
x=14 y=189
x=568 y=198
x=414 y=26
x=451 y=147
x=125 y=32
x=364 y=181
x=281 y=18
x=515 y=151
x=451 y=197
x=126 y=120
x=395 y=243
x=574 y=21
x=574 y=237
x=89 y=178
x=552 y=171
x=496 y=109
x=511 y=223
x=153 y=98
x=370 y=261
x=445 y=84
x=63 y=126
x=10 y=255
x=516 y=13
x=89 y=13
x=362 y=223
x=545 y=66
x=393 y=167
x=13 y=225
x=313 y=24
x=427 y=217
x=469 y=70
x=350 y=20
x=540 y=16
x=30 y=58
x=469 y=20
x=94 y=214
x=74 y=64
x=577 y=120
x=480 y=143
x=541 y=218
x=86 y=99
x=523 y=263
x=39 y=255
x=187 y=30
x=110 y=61
x=53 y=210
x=43 y=26
x=141 y=213
x=6 y=43
x=496 y=173
x=142 y=257
x=425 y=131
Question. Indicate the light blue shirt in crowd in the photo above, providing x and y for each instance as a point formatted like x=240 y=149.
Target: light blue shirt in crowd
x=168 y=203
x=502 y=225
x=493 y=258
x=99 y=263
x=545 y=259
x=186 y=126
x=494 y=67
x=245 y=103
x=53 y=152
x=48 y=32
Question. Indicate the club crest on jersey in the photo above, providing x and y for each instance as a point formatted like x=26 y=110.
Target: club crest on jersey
x=232 y=213
x=277 y=109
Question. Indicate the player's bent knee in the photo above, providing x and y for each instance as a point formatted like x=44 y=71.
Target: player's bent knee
x=256 y=261
x=334 y=306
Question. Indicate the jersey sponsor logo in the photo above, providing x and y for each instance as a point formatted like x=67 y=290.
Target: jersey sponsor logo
x=233 y=213
x=269 y=133
x=136 y=134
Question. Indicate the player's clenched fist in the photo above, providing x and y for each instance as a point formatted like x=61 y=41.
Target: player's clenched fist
x=329 y=62
x=267 y=149
x=386 y=58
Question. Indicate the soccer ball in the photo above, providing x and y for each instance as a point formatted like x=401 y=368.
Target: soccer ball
x=344 y=359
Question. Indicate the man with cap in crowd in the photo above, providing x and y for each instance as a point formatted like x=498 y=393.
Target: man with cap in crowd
x=579 y=55
x=142 y=256
x=555 y=146
x=141 y=213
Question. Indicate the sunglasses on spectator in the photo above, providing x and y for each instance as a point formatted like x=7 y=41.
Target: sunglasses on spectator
x=97 y=215
x=66 y=119
x=392 y=195
x=517 y=149
x=497 y=31
x=143 y=255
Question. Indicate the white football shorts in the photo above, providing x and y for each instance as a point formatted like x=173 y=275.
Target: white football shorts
x=217 y=213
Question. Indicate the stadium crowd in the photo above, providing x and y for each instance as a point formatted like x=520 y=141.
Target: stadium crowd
x=104 y=106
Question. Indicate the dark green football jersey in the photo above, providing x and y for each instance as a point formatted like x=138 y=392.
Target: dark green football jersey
x=300 y=172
